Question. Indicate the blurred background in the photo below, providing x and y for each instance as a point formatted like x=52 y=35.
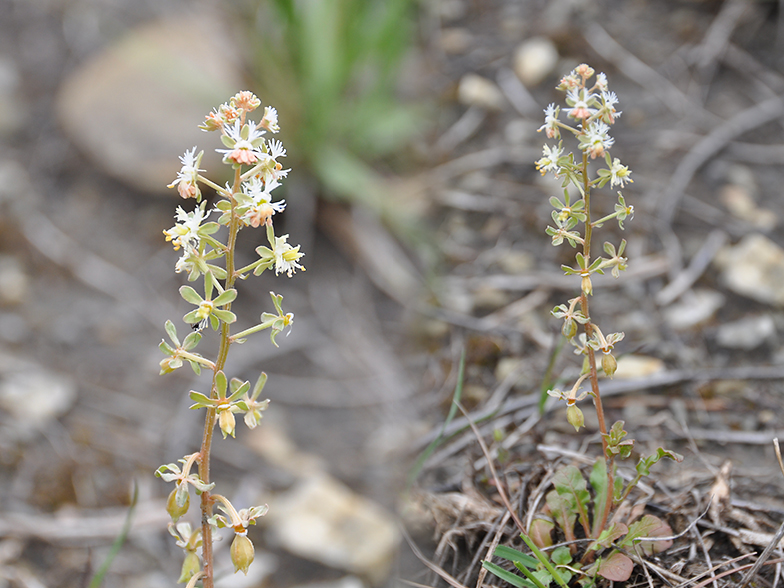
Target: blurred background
x=411 y=133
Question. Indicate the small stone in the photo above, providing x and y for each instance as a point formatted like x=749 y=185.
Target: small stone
x=475 y=90
x=31 y=396
x=638 y=366
x=323 y=520
x=516 y=262
x=136 y=107
x=455 y=40
x=747 y=333
x=754 y=268
x=534 y=60
x=738 y=200
x=13 y=281
x=693 y=308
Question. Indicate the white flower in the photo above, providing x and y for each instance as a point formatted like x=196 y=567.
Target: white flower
x=601 y=81
x=244 y=142
x=550 y=125
x=185 y=232
x=270 y=119
x=619 y=174
x=549 y=161
x=596 y=139
x=187 y=177
x=579 y=99
x=286 y=256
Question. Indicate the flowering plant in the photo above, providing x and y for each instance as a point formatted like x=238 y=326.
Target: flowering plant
x=246 y=202
x=591 y=108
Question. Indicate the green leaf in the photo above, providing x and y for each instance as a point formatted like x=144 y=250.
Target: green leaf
x=509 y=577
x=561 y=556
x=259 y=386
x=220 y=384
x=195 y=366
x=200 y=400
x=569 y=481
x=171 y=330
x=514 y=555
x=648 y=526
x=224 y=315
x=190 y=295
x=226 y=297
x=644 y=465
x=191 y=341
x=563 y=510
x=608 y=536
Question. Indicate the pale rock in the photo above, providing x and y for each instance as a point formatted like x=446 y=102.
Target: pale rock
x=754 y=268
x=455 y=40
x=489 y=298
x=474 y=90
x=638 y=366
x=507 y=366
x=534 y=60
x=516 y=261
x=741 y=205
x=271 y=441
x=322 y=520
x=14 y=283
x=135 y=107
x=747 y=333
x=693 y=308
x=31 y=396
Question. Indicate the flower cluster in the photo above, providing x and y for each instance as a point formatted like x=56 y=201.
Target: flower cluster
x=592 y=108
x=208 y=254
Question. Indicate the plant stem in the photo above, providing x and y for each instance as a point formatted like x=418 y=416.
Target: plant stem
x=209 y=421
x=594 y=377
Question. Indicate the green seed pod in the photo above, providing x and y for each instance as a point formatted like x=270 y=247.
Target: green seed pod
x=609 y=365
x=175 y=510
x=241 y=553
x=575 y=417
x=569 y=328
x=190 y=566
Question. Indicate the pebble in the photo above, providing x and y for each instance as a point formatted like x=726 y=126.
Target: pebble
x=323 y=520
x=31 y=397
x=534 y=60
x=693 y=308
x=741 y=205
x=14 y=283
x=474 y=90
x=135 y=107
x=754 y=268
x=638 y=366
x=747 y=333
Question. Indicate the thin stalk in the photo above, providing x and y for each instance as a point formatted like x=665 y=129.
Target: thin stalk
x=209 y=421
x=593 y=375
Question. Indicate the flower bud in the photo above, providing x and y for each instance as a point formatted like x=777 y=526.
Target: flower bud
x=575 y=417
x=227 y=422
x=586 y=285
x=241 y=553
x=175 y=510
x=609 y=365
x=190 y=566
